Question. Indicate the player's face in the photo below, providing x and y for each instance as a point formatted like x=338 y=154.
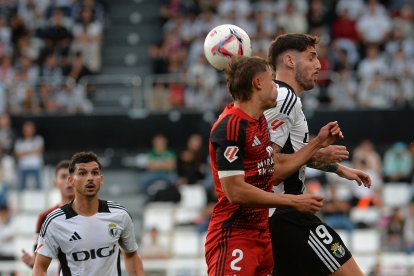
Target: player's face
x=307 y=68
x=62 y=183
x=268 y=93
x=86 y=179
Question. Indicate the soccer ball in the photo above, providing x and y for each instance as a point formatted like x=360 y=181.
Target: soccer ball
x=224 y=42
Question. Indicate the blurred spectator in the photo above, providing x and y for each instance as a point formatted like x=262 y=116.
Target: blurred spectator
x=51 y=70
x=159 y=98
x=342 y=90
x=87 y=39
x=203 y=219
x=28 y=150
x=374 y=24
x=408 y=230
x=7 y=134
x=7 y=235
x=153 y=248
x=354 y=7
x=190 y=164
x=398 y=163
x=47 y=101
x=57 y=34
x=317 y=16
x=292 y=20
x=394 y=231
x=375 y=93
x=365 y=152
x=77 y=68
x=202 y=93
x=33 y=12
x=71 y=98
x=161 y=166
x=8 y=177
x=344 y=27
x=372 y=64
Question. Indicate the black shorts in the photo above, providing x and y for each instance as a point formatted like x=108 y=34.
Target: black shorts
x=304 y=245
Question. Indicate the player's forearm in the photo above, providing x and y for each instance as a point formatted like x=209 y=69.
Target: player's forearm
x=288 y=164
x=246 y=195
x=133 y=264
x=326 y=167
x=38 y=271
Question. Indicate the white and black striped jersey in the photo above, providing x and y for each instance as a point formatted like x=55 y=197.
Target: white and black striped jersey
x=289 y=130
x=88 y=245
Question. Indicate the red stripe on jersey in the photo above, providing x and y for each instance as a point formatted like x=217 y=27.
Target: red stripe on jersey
x=233 y=128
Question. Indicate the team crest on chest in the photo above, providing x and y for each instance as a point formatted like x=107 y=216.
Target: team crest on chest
x=113 y=230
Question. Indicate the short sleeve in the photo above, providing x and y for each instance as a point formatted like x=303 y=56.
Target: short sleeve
x=47 y=245
x=127 y=240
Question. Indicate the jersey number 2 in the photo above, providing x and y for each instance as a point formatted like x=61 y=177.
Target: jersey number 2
x=238 y=253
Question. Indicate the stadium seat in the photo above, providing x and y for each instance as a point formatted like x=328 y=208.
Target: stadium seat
x=25 y=224
x=345 y=236
x=159 y=215
x=368 y=216
x=33 y=201
x=193 y=196
x=365 y=241
x=185 y=243
x=396 y=194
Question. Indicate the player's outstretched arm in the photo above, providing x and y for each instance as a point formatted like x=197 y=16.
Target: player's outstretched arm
x=240 y=192
x=41 y=265
x=353 y=174
x=133 y=264
x=287 y=164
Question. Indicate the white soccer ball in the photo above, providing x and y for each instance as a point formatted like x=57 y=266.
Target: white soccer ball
x=224 y=42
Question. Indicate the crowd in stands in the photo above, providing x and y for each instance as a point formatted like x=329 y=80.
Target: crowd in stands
x=366 y=50
x=45 y=48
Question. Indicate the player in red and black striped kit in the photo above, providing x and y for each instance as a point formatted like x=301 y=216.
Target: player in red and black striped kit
x=238 y=239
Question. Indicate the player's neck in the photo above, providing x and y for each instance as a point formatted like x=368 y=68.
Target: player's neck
x=250 y=108
x=86 y=206
x=289 y=78
x=65 y=200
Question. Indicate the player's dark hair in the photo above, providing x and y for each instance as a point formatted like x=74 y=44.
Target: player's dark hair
x=64 y=164
x=83 y=157
x=291 y=41
x=240 y=73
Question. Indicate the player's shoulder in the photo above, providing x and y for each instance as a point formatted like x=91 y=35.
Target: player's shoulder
x=230 y=123
x=287 y=100
x=53 y=217
x=115 y=208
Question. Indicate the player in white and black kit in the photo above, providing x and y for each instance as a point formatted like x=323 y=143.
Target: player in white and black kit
x=302 y=244
x=86 y=235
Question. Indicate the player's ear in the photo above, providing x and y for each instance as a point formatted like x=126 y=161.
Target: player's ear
x=288 y=60
x=257 y=82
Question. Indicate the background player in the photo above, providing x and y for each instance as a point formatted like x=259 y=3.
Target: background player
x=87 y=233
x=302 y=243
x=66 y=194
x=238 y=241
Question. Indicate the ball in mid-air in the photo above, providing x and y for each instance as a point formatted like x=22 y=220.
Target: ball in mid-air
x=224 y=42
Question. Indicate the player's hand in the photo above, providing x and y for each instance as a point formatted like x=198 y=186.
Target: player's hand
x=329 y=133
x=308 y=203
x=352 y=174
x=27 y=258
x=332 y=154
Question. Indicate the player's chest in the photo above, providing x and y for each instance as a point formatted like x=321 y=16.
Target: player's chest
x=89 y=237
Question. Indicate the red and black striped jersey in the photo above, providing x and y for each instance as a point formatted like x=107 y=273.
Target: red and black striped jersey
x=240 y=145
